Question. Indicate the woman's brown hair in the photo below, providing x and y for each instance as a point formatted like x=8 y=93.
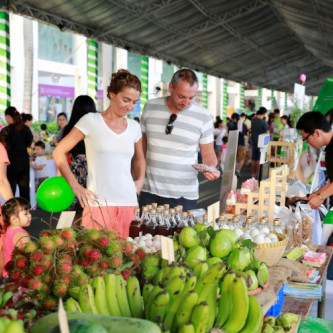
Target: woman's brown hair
x=18 y=122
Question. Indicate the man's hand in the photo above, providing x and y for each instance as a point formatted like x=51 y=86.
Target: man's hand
x=314 y=201
x=212 y=175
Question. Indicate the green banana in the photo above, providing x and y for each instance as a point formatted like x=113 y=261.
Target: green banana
x=278 y=329
x=122 y=296
x=286 y=320
x=266 y=328
x=147 y=288
x=71 y=305
x=211 y=300
x=270 y=320
x=15 y=326
x=159 y=307
x=175 y=286
x=6 y=297
x=134 y=297
x=254 y=318
x=262 y=272
x=199 y=317
x=173 y=308
x=213 y=274
x=176 y=271
x=166 y=271
x=186 y=328
x=158 y=277
x=111 y=295
x=225 y=301
x=150 y=301
x=200 y=268
x=74 y=292
x=87 y=300
x=98 y=286
x=191 y=281
x=184 y=312
x=240 y=306
x=5 y=321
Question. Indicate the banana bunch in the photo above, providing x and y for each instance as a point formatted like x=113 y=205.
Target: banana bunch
x=111 y=295
x=11 y=326
x=261 y=270
x=237 y=311
x=280 y=324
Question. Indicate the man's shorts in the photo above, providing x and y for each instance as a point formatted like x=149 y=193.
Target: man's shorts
x=241 y=153
x=255 y=154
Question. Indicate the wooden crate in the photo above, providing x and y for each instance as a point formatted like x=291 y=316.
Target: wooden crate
x=288 y=148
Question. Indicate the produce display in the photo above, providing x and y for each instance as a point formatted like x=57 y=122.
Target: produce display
x=280 y=324
x=113 y=285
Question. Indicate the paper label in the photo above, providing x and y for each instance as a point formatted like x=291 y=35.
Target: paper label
x=167 y=250
x=66 y=219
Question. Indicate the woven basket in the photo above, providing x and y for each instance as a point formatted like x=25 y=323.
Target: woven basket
x=271 y=253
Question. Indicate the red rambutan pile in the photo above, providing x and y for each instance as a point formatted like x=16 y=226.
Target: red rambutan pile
x=94 y=255
x=37 y=270
x=47 y=244
x=140 y=253
x=59 y=288
x=93 y=235
x=68 y=234
x=20 y=262
x=128 y=248
x=30 y=247
x=35 y=284
x=50 y=303
x=36 y=256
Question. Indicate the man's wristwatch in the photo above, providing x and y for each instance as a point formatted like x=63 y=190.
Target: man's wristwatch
x=320 y=197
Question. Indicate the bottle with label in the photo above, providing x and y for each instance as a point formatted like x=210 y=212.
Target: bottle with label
x=183 y=222
x=144 y=219
x=163 y=228
x=152 y=224
x=135 y=226
x=190 y=219
x=173 y=222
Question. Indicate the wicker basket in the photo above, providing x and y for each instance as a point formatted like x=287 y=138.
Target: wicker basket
x=271 y=253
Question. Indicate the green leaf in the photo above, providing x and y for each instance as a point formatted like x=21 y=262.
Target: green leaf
x=211 y=232
x=249 y=244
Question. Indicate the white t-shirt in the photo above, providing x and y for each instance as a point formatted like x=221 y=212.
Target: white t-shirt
x=109 y=158
x=219 y=137
x=39 y=161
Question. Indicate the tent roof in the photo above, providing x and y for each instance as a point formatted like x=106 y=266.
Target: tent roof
x=267 y=42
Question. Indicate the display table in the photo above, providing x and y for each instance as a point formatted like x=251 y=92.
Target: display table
x=302 y=306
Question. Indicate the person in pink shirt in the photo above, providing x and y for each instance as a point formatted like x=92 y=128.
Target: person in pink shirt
x=16 y=215
x=5 y=192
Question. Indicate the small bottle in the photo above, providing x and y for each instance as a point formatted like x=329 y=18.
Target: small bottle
x=164 y=226
x=249 y=222
x=173 y=222
x=183 y=222
x=204 y=219
x=151 y=227
x=263 y=225
x=135 y=226
x=150 y=207
x=177 y=215
x=166 y=206
x=144 y=219
x=159 y=212
x=235 y=221
x=277 y=226
x=190 y=219
x=180 y=208
x=154 y=205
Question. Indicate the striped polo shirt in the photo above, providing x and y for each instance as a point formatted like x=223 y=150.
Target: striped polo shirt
x=169 y=158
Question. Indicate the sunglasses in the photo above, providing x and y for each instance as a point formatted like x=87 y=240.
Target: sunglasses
x=169 y=126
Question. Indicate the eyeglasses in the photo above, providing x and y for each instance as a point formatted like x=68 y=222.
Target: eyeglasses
x=306 y=137
x=169 y=126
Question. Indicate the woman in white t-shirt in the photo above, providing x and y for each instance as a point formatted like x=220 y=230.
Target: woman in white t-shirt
x=115 y=159
x=219 y=132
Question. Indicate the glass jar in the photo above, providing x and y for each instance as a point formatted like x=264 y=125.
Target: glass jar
x=183 y=222
x=145 y=220
x=190 y=219
x=277 y=225
x=135 y=226
x=163 y=227
x=154 y=205
x=166 y=206
x=152 y=224
x=205 y=219
x=221 y=222
x=173 y=222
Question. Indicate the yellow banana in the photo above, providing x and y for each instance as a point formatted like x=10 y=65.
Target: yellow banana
x=199 y=317
x=185 y=309
x=98 y=285
x=111 y=295
x=147 y=288
x=122 y=296
x=159 y=307
x=254 y=318
x=240 y=306
x=225 y=301
x=71 y=305
x=134 y=297
x=86 y=299
x=15 y=326
x=150 y=301
x=186 y=328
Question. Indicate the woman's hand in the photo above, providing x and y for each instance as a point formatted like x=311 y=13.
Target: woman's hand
x=84 y=196
x=139 y=184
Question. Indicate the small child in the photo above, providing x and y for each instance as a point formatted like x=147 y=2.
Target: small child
x=224 y=147
x=16 y=215
x=40 y=164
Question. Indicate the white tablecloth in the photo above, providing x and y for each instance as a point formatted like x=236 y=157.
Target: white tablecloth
x=52 y=171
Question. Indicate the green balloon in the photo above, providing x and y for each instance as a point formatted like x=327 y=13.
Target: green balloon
x=54 y=195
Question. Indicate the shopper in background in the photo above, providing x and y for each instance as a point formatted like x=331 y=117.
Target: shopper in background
x=78 y=160
x=258 y=126
x=173 y=128
x=219 y=132
x=115 y=159
x=277 y=125
x=27 y=120
x=237 y=124
x=39 y=164
x=17 y=138
x=62 y=122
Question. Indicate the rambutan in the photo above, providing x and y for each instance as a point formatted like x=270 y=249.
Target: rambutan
x=46 y=289
x=126 y=273
x=20 y=262
x=140 y=253
x=93 y=269
x=45 y=233
x=68 y=234
x=84 y=263
x=25 y=281
x=134 y=257
x=103 y=241
x=64 y=267
x=50 y=303
x=30 y=247
x=47 y=261
x=65 y=257
x=128 y=248
x=116 y=261
x=110 y=233
x=47 y=244
x=36 y=256
x=93 y=234
x=16 y=275
x=58 y=241
x=82 y=279
x=94 y=255
x=104 y=263
x=113 y=247
x=37 y=270
x=48 y=279
x=70 y=245
x=76 y=271
x=66 y=278
x=59 y=288
x=85 y=251
x=35 y=284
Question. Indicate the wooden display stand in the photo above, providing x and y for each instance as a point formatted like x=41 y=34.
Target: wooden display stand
x=262 y=201
x=288 y=149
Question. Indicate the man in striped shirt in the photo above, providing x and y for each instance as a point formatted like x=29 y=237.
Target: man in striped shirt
x=173 y=128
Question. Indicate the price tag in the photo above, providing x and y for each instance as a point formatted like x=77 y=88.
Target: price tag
x=167 y=250
x=213 y=211
x=62 y=318
x=66 y=219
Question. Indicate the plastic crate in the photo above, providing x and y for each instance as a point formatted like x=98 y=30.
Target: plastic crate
x=275 y=309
